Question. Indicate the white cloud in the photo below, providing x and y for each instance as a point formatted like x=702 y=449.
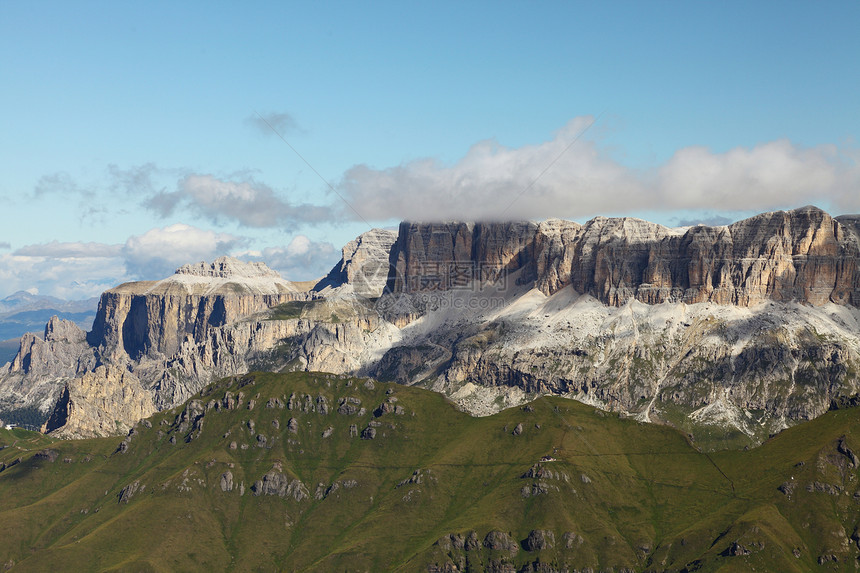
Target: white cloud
x=81 y=270
x=56 y=249
x=494 y=182
x=64 y=277
x=769 y=175
x=250 y=203
x=565 y=177
x=302 y=259
x=159 y=252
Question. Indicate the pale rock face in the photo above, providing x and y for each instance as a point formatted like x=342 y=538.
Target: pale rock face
x=802 y=255
x=228 y=267
x=104 y=402
x=165 y=340
x=363 y=264
x=429 y=257
x=555 y=244
x=42 y=365
x=753 y=325
x=152 y=319
x=776 y=364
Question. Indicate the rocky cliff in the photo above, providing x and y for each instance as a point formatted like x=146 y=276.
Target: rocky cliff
x=748 y=328
x=154 y=344
x=152 y=319
x=43 y=365
x=105 y=401
x=803 y=255
x=751 y=326
x=430 y=257
x=363 y=264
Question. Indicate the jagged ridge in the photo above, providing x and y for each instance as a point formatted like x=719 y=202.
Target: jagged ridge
x=516 y=309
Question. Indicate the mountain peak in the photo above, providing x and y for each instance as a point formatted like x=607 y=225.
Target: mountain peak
x=228 y=267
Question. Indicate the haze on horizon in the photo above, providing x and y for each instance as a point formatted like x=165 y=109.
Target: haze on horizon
x=141 y=138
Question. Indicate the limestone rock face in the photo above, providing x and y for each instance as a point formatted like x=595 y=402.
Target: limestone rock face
x=55 y=354
x=152 y=319
x=238 y=347
x=364 y=264
x=555 y=245
x=757 y=370
x=39 y=370
x=608 y=259
x=163 y=341
x=104 y=402
x=229 y=267
x=430 y=257
x=803 y=255
x=754 y=325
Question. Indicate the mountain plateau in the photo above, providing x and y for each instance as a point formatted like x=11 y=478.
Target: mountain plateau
x=730 y=333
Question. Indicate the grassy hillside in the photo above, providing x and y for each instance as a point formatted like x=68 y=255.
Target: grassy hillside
x=280 y=473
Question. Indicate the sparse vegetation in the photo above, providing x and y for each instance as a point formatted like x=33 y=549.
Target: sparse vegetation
x=617 y=493
x=290 y=310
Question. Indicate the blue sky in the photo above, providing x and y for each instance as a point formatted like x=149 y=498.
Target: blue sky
x=131 y=141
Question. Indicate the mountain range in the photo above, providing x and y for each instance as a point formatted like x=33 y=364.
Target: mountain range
x=730 y=333
x=508 y=397
x=24 y=312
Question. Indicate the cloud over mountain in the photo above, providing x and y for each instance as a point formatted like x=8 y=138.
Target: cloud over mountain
x=249 y=202
x=759 y=178
x=301 y=259
x=571 y=175
x=79 y=270
x=575 y=178
x=158 y=252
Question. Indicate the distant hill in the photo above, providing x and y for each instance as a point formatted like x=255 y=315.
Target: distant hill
x=22 y=300
x=317 y=472
x=24 y=312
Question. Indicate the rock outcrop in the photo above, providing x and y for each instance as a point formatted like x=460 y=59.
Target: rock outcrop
x=803 y=255
x=363 y=265
x=152 y=319
x=752 y=326
x=106 y=401
x=276 y=483
x=430 y=257
x=43 y=365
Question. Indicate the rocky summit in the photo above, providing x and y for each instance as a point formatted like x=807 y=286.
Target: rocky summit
x=730 y=333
